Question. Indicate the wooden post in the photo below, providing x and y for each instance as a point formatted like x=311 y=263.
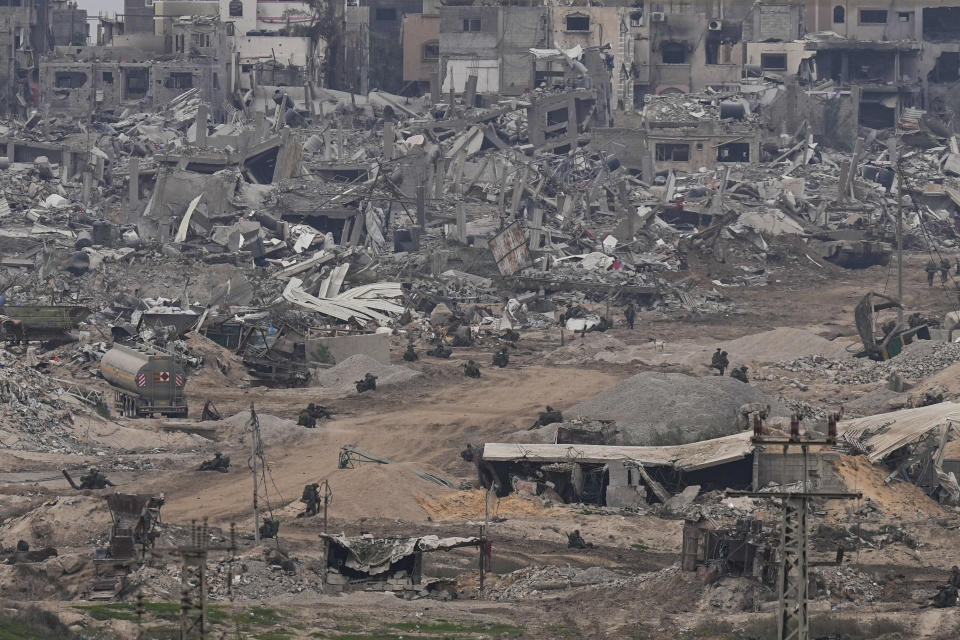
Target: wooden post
x=461 y=223
x=254 y=458
x=422 y=206
x=470 y=92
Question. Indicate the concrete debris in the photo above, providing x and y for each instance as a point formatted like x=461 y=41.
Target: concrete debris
x=348 y=208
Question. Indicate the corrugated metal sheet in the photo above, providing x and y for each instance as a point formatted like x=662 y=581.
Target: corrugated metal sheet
x=684 y=457
x=884 y=433
x=510 y=250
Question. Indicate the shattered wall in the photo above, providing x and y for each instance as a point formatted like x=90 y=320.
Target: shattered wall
x=68 y=25
x=832 y=117
x=759 y=54
x=137 y=16
x=596 y=27
x=15 y=25
x=777 y=468
x=170 y=79
x=774 y=22
x=421 y=47
x=492 y=42
x=690 y=146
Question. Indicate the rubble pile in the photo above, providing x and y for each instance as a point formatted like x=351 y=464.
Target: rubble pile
x=36 y=413
x=651 y=407
x=540 y=581
x=918 y=361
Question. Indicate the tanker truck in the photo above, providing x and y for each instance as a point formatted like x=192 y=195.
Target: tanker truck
x=145 y=382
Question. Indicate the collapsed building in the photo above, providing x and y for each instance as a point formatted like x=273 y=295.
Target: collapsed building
x=912 y=442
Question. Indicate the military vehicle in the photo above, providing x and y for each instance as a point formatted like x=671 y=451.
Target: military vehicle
x=40 y=322
x=145 y=382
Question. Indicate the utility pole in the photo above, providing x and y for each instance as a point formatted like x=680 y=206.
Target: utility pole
x=792 y=580
x=894 y=150
x=256 y=454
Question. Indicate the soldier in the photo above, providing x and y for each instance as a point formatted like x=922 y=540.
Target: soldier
x=410 y=355
x=954 y=577
x=740 y=373
x=440 y=350
x=219 y=463
x=724 y=362
x=576 y=541
x=946 y=596
x=311 y=498
x=95 y=480
x=631 y=314
x=931 y=269
x=716 y=359
x=270 y=528
x=944 y=270
x=307 y=418
x=369 y=383
x=513 y=337
x=957 y=271
x=501 y=358
x=549 y=416
x=471 y=370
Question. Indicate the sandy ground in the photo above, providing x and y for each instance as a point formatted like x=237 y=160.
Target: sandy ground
x=422 y=425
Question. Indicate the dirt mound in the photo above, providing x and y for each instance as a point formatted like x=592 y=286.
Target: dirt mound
x=470 y=505
x=273 y=430
x=598 y=347
x=221 y=367
x=783 y=343
x=897 y=499
x=343 y=376
x=62 y=522
x=672 y=408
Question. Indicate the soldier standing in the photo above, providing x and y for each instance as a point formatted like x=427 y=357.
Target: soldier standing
x=931 y=269
x=631 y=314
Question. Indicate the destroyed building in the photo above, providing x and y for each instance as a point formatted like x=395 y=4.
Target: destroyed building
x=600 y=243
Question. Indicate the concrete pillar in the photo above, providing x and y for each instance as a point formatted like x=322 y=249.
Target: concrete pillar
x=133 y=183
x=461 y=223
x=201 y=124
x=422 y=206
x=66 y=165
x=11 y=151
x=389 y=137
x=435 y=87
x=87 y=186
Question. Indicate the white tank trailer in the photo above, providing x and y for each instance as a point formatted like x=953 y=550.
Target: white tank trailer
x=145 y=382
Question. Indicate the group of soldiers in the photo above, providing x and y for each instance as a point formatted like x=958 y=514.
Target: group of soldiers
x=94 y=479
x=944 y=268
x=721 y=361
x=309 y=416
x=219 y=463
x=471 y=369
x=947 y=594
x=367 y=383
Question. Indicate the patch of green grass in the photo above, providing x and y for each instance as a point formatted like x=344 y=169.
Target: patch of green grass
x=34 y=624
x=260 y=616
x=447 y=627
x=373 y=635
x=711 y=630
x=273 y=635
x=639 y=546
x=161 y=633
x=109 y=611
x=561 y=631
